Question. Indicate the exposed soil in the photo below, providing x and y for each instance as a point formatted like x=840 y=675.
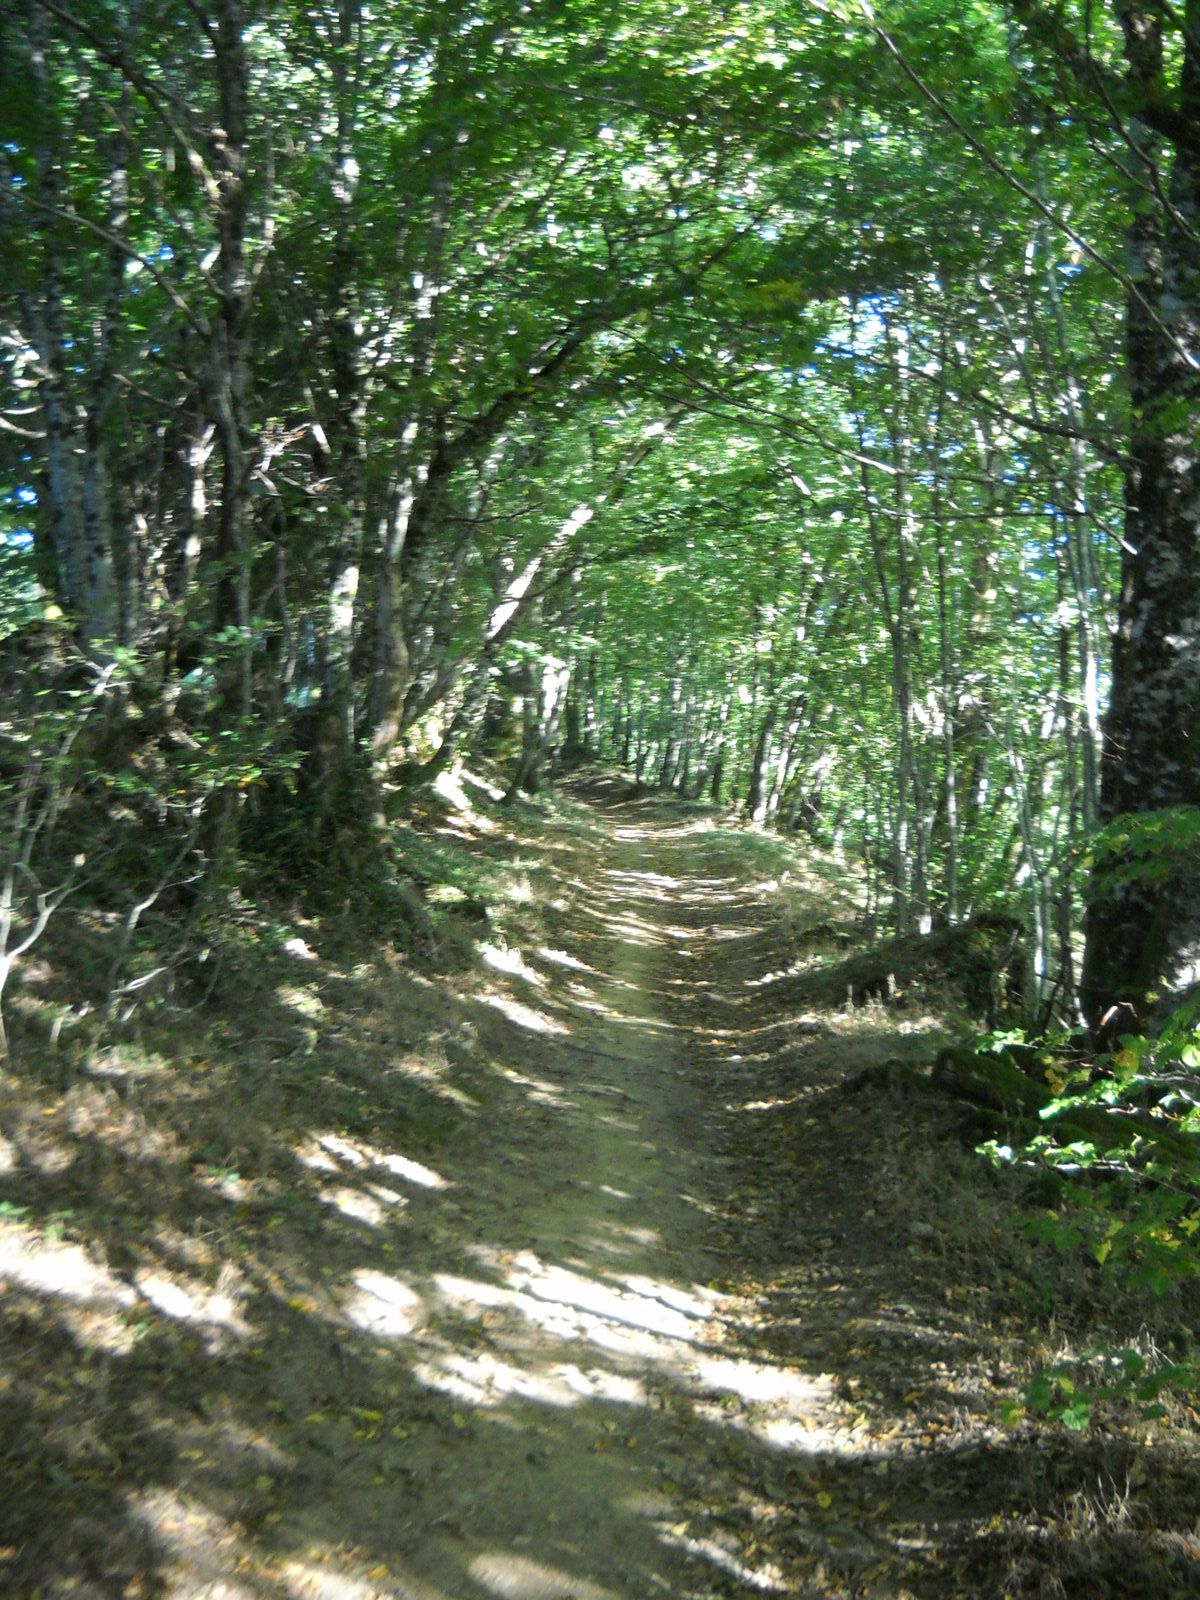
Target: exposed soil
x=592 y=1271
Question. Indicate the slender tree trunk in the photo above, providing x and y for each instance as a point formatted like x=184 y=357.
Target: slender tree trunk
x=416 y=485
x=641 y=747
x=78 y=492
x=670 y=758
x=346 y=451
x=231 y=344
x=756 y=791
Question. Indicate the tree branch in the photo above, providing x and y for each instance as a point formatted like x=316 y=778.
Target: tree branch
x=1009 y=177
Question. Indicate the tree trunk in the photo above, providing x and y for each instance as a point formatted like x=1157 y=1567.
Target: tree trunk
x=76 y=484
x=346 y=451
x=1143 y=936
x=231 y=345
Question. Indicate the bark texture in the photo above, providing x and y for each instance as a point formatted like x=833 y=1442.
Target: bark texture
x=1143 y=936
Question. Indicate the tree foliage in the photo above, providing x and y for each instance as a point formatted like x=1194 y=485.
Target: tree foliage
x=772 y=397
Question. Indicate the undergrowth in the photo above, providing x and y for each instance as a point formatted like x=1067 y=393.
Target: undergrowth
x=1113 y=1163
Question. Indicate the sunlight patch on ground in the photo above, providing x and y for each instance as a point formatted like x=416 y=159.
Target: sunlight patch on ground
x=501 y=958
x=548 y=1316
x=308 y=1582
x=632 y=929
x=798 y=1436
x=204 y=1547
x=415 y=1171
x=216 y=1309
x=634 y=833
x=581 y=991
x=369 y=1206
x=358 y=1154
x=487 y=1380
x=514 y=1577
x=644 y=1238
x=476 y=780
x=638 y=1028
x=655 y=880
x=766 y=1579
x=640 y=1322
x=766 y=980
x=558 y=1312
x=47 y=1267
x=757 y=1384
x=343 y=1148
x=302 y=1001
x=585 y=1001
x=466 y=1293
x=541 y=1091
x=431 y=1069
x=382 y=1305
x=449 y=786
x=522 y=1016
x=316 y=1159
x=561 y=958
x=621 y=1242
x=518 y=891
x=576 y=1292
x=597 y=1384
x=696 y=1302
x=682 y=892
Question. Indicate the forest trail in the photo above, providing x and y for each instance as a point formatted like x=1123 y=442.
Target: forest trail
x=588 y=1271
x=597 y=1372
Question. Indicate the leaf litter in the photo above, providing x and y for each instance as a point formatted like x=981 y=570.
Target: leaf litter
x=581 y=1270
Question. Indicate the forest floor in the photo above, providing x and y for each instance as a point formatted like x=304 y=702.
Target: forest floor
x=589 y=1269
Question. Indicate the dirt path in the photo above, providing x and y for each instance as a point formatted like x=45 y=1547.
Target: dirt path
x=596 y=1374
x=394 y=1287
x=586 y=1274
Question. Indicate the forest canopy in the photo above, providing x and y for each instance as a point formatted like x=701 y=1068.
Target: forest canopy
x=796 y=402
